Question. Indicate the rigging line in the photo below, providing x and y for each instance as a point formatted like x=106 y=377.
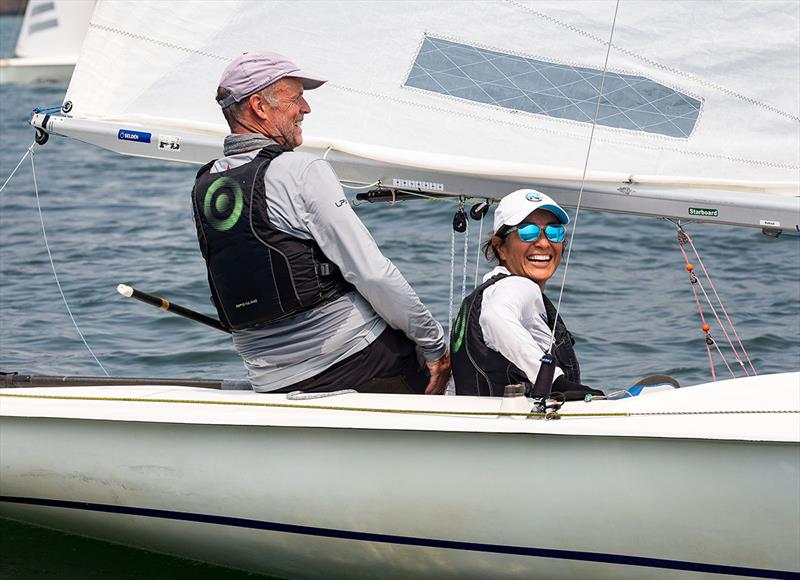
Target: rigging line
x=452 y=281
x=478 y=256
x=53 y=266
x=472 y=413
x=713 y=310
x=443 y=199
x=735 y=354
x=28 y=152
x=466 y=260
x=692 y=279
x=722 y=356
x=722 y=306
x=373 y=184
x=583 y=176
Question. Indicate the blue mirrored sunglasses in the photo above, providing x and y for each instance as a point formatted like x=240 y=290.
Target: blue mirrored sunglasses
x=531 y=232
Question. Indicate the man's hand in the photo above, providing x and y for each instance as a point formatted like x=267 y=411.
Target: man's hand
x=440 y=374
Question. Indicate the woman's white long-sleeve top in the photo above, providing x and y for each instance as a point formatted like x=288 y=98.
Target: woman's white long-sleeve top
x=514 y=321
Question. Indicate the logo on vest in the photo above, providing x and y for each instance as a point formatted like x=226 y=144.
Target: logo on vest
x=533 y=197
x=458 y=329
x=222 y=205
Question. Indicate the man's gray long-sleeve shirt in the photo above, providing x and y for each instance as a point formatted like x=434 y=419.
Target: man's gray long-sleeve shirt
x=305 y=200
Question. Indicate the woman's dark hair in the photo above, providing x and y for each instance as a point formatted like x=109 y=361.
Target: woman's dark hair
x=489 y=251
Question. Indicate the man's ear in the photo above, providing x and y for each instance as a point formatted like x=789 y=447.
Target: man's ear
x=258 y=105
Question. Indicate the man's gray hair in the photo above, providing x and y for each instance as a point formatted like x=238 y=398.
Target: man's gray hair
x=234 y=111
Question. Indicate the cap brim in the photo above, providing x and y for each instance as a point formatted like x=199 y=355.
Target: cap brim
x=309 y=82
x=560 y=214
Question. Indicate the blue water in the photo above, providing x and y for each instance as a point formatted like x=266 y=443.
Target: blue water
x=112 y=219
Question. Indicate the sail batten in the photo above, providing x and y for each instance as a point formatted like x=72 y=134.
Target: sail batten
x=499 y=90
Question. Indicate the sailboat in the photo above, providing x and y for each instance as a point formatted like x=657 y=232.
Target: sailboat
x=696 y=123
x=49 y=41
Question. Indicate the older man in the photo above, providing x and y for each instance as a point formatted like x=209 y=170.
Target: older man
x=312 y=302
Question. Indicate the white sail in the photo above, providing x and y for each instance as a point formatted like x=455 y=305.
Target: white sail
x=49 y=41
x=699 y=118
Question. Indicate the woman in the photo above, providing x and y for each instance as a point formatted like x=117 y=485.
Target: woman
x=504 y=326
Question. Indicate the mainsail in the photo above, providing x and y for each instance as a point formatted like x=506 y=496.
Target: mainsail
x=699 y=116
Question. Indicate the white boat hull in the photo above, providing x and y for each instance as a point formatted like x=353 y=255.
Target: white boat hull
x=28 y=71
x=416 y=498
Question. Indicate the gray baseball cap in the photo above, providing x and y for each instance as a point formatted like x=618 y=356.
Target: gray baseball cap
x=253 y=71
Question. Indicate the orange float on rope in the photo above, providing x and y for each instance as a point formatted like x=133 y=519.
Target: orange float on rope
x=689 y=267
x=706 y=328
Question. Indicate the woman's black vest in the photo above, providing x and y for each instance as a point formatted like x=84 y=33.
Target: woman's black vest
x=257 y=274
x=480 y=370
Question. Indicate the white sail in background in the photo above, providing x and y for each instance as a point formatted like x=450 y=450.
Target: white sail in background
x=699 y=119
x=49 y=41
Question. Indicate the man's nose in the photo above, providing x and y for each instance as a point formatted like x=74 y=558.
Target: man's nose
x=305 y=108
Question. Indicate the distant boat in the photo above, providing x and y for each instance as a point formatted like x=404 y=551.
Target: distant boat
x=49 y=42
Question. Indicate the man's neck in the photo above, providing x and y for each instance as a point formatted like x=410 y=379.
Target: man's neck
x=236 y=143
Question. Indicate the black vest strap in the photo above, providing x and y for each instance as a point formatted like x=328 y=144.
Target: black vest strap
x=563 y=343
x=257 y=274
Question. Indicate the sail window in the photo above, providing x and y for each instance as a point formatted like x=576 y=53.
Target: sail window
x=556 y=90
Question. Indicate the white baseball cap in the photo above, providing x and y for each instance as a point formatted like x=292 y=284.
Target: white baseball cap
x=517 y=205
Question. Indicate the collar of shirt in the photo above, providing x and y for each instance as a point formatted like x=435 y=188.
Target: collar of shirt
x=497 y=270
x=242 y=142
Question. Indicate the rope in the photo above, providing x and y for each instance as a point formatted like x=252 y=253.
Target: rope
x=53 y=266
x=724 y=360
x=366 y=185
x=400 y=411
x=28 y=152
x=478 y=254
x=452 y=280
x=696 y=281
x=583 y=178
x=466 y=260
x=684 y=238
x=459 y=199
x=714 y=312
x=47 y=110
x=724 y=311
x=693 y=280
x=301 y=396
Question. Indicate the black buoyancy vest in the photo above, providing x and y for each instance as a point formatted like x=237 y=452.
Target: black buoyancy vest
x=480 y=370
x=257 y=273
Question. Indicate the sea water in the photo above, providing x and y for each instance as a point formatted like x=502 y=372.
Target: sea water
x=111 y=219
